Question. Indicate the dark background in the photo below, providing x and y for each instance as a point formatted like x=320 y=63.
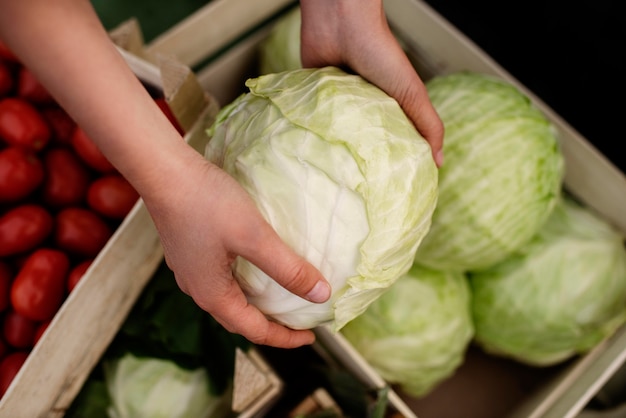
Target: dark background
x=570 y=54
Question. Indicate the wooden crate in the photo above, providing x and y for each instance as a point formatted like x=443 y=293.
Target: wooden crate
x=485 y=386
x=89 y=319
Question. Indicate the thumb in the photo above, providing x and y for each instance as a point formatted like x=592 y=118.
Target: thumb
x=276 y=259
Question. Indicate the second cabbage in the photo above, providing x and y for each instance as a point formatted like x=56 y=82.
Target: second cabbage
x=502 y=174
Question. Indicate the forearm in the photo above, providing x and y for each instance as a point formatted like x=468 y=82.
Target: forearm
x=65 y=45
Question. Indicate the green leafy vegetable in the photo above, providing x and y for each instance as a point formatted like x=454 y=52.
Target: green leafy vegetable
x=559 y=296
x=154 y=388
x=280 y=51
x=165 y=325
x=342 y=175
x=92 y=401
x=417 y=333
x=502 y=175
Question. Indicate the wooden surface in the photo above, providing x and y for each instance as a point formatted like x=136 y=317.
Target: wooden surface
x=206 y=31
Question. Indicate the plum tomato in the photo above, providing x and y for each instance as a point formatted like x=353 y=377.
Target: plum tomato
x=76 y=273
x=9 y=367
x=18 y=331
x=21 y=124
x=111 y=196
x=21 y=172
x=66 y=180
x=4 y=348
x=89 y=151
x=29 y=88
x=61 y=124
x=23 y=228
x=80 y=231
x=6 y=80
x=6 y=277
x=38 y=289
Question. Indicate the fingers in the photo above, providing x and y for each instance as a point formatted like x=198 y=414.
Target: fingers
x=253 y=238
x=200 y=249
x=267 y=251
x=419 y=109
x=356 y=34
x=236 y=315
x=398 y=78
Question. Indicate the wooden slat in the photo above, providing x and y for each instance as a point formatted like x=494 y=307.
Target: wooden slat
x=205 y=32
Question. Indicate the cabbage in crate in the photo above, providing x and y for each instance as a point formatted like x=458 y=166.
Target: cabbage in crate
x=280 y=51
x=152 y=387
x=559 y=296
x=416 y=334
x=340 y=172
x=501 y=177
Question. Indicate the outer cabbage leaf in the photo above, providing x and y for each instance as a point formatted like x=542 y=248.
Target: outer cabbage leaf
x=557 y=297
x=416 y=334
x=340 y=172
x=153 y=388
x=502 y=174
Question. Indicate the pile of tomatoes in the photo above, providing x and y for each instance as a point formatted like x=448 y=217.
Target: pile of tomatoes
x=60 y=202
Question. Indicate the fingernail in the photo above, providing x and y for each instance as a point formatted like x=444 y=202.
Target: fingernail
x=320 y=292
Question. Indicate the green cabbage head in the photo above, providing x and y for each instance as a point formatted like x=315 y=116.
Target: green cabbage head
x=147 y=387
x=502 y=173
x=416 y=334
x=557 y=297
x=280 y=51
x=342 y=175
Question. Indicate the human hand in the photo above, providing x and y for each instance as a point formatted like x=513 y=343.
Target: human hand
x=205 y=219
x=355 y=34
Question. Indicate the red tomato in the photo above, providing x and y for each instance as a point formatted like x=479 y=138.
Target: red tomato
x=167 y=111
x=111 y=196
x=89 y=152
x=21 y=124
x=6 y=277
x=29 y=87
x=4 y=348
x=24 y=227
x=81 y=231
x=21 y=172
x=76 y=273
x=6 y=53
x=9 y=367
x=18 y=330
x=61 y=124
x=66 y=178
x=39 y=287
x=41 y=328
x=6 y=79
